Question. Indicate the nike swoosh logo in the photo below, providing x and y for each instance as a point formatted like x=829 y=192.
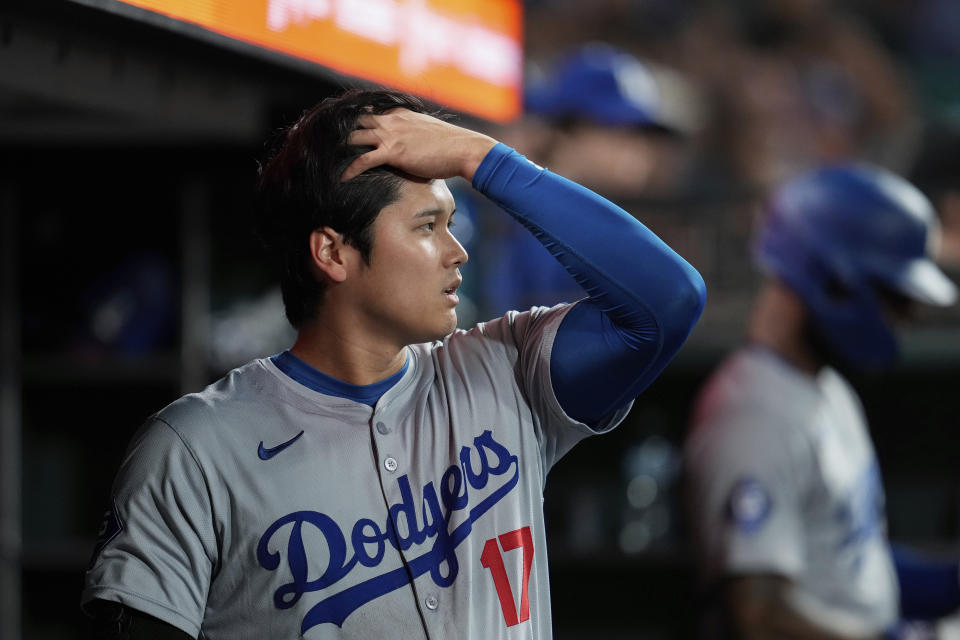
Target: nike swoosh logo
x=266 y=454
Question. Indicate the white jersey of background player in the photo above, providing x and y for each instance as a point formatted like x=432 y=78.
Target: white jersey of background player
x=384 y=477
x=783 y=484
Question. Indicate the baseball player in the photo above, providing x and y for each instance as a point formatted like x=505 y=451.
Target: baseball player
x=384 y=477
x=784 y=489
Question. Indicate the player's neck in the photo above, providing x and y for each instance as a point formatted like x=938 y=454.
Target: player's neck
x=778 y=322
x=345 y=354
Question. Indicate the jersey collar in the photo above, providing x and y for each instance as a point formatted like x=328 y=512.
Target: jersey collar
x=320 y=382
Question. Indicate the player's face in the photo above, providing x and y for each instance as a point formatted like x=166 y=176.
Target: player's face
x=408 y=292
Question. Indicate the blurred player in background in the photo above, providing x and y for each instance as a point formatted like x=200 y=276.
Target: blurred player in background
x=615 y=122
x=606 y=120
x=784 y=490
x=384 y=477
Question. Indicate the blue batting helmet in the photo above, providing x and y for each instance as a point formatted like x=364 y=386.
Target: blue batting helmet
x=836 y=236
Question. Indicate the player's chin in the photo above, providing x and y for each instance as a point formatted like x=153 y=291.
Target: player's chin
x=444 y=325
x=448 y=324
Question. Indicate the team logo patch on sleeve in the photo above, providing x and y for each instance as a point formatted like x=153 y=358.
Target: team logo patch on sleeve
x=110 y=528
x=749 y=505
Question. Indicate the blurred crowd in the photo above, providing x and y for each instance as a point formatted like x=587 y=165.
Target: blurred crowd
x=780 y=84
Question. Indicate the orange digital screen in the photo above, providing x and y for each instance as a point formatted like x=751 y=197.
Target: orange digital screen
x=467 y=54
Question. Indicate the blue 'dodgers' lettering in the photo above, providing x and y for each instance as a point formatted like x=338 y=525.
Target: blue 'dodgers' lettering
x=368 y=540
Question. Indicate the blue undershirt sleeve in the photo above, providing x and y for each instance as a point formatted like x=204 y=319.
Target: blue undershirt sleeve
x=643 y=298
x=929 y=589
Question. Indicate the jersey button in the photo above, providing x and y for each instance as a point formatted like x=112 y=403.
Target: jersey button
x=383 y=429
x=432 y=603
x=390 y=465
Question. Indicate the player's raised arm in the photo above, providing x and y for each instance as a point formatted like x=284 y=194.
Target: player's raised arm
x=644 y=299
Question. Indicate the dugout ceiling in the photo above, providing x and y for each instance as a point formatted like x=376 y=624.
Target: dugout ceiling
x=105 y=71
x=75 y=75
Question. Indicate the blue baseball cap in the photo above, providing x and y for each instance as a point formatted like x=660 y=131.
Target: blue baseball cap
x=601 y=84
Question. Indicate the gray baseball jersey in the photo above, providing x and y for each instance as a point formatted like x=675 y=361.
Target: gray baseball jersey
x=260 y=508
x=783 y=479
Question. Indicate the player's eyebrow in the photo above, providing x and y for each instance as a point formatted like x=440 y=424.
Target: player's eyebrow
x=429 y=213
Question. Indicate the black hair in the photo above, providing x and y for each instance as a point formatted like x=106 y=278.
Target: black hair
x=299 y=191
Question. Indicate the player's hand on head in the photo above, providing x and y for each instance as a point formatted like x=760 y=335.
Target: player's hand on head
x=418 y=144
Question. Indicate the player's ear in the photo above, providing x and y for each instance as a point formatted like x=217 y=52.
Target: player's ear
x=329 y=254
